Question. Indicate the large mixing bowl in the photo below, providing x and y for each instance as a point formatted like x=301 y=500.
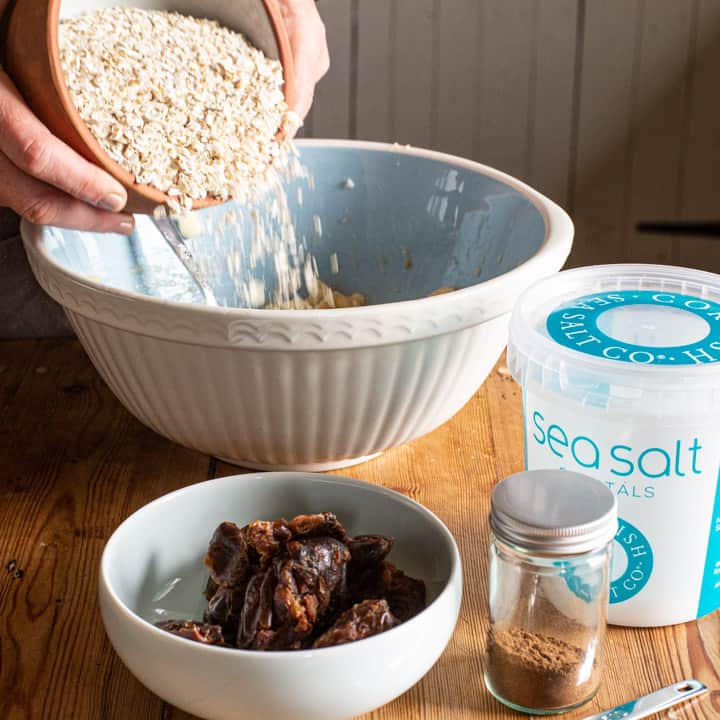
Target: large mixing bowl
x=316 y=389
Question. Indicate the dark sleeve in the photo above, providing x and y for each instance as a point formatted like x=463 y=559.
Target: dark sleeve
x=4 y=15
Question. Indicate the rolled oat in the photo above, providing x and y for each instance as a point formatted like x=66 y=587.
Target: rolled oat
x=185 y=105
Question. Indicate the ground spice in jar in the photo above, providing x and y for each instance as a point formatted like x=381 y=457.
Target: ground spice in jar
x=538 y=671
x=548 y=589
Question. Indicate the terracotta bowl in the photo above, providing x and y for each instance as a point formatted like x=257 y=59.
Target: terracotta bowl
x=33 y=62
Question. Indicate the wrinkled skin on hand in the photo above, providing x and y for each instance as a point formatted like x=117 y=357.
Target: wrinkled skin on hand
x=47 y=182
x=308 y=43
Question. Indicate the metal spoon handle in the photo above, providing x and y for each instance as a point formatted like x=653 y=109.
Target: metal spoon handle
x=654 y=702
x=177 y=243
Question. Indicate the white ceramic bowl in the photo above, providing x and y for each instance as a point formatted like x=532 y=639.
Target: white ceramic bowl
x=167 y=539
x=318 y=389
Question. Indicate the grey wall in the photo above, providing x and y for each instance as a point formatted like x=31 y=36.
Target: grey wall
x=610 y=107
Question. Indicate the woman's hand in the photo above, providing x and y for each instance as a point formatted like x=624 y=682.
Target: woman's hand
x=44 y=180
x=47 y=182
x=309 y=49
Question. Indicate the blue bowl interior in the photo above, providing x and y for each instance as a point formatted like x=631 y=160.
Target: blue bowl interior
x=403 y=227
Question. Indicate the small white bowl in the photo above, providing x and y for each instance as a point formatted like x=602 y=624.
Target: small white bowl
x=152 y=568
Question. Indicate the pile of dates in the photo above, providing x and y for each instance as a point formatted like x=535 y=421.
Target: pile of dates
x=300 y=583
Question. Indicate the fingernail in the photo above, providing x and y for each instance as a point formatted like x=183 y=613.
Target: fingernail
x=113 y=202
x=126 y=227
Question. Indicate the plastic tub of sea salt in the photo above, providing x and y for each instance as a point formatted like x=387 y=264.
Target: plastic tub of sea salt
x=620 y=371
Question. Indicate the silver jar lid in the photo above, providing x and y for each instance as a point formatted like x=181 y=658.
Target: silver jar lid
x=554 y=512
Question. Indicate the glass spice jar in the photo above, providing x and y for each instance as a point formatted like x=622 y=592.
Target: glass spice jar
x=552 y=532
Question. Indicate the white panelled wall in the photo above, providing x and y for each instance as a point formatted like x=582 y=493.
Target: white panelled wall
x=610 y=107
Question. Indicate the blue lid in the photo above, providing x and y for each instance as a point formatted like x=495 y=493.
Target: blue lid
x=621 y=335
x=643 y=327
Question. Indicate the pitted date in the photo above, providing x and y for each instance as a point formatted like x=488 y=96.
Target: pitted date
x=300 y=583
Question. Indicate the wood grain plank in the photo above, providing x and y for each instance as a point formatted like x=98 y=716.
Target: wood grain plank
x=375 y=70
x=657 y=127
x=331 y=109
x=506 y=427
x=702 y=173
x=413 y=60
x=17 y=361
x=551 y=96
x=458 y=40
x=697 y=252
x=698 y=196
x=502 y=91
x=73 y=464
x=607 y=90
x=452 y=470
x=441 y=471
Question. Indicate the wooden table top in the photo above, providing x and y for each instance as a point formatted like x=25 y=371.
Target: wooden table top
x=74 y=464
